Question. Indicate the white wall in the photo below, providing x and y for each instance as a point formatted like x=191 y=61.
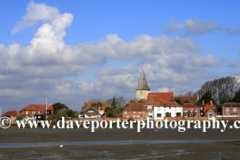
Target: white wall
x=163 y=110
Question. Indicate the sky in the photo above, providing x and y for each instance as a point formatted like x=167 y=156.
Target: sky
x=73 y=51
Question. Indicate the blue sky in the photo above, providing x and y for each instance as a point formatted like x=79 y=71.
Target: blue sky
x=72 y=51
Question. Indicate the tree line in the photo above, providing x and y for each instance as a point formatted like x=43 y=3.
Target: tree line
x=225 y=89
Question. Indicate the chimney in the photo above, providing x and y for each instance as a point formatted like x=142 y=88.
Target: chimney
x=89 y=101
x=84 y=102
x=211 y=103
x=129 y=102
x=98 y=109
x=202 y=102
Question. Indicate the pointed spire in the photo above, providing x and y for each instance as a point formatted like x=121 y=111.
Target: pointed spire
x=142 y=84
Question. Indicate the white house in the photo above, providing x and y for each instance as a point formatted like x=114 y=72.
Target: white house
x=167 y=109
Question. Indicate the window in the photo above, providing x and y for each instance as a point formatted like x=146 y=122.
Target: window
x=39 y=116
x=201 y=113
x=134 y=111
x=150 y=112
x=149 y=107
x=227 y=114
x=26 y=112
x=185 y=114
x=235 y=109
x=195 y=109
x=159 y=115
x=133 y=116
x=169 y=107
x=185 y=109
x=191 y=109
x=191 y=115
x=150 y=116
x=39 y=112
x=226 y=109
x=125 y=112
x=235 y=113
x=33 y=112
x=139 y=112
x=158 y=108
x=127 y=116
x=164 y=108
x=138 y=116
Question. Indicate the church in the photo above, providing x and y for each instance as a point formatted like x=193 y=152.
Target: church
x=157 y=106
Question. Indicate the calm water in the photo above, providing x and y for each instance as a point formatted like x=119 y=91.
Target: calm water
x=47 y=144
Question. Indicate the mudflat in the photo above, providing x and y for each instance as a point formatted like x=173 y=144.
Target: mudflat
x=226 y=150
x=27 y=135
x=215 y=151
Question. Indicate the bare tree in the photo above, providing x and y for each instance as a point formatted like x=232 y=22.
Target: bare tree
x=189 y=93
x=222 y=89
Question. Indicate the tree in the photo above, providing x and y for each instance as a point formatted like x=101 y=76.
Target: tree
x=109 y=112
x=237 y=97
x=207 y=97
x=121 y=102
x=105 y=103
x=68 y=113
x=58 y=106
x=114 y=103
x=189 y=93
x=222 y=89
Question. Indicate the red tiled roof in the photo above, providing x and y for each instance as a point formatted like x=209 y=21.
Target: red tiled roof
x=36 y=108
x=207 y=107
x=135 y=107
x=189 y=105
x=12 y=113
x=151 y=100
x=101 y=108
x=168 y=104
x=161 y=96
x=186 y=98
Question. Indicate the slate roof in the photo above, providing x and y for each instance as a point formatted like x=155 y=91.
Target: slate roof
x=142 y=84
x=231 y=105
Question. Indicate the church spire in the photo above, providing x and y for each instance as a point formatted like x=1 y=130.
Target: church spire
x=142 y=84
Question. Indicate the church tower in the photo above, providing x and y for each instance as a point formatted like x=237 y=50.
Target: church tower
x=142 y=89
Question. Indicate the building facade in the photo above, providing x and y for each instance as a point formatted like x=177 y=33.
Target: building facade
x=135 y=111
x=37 y=111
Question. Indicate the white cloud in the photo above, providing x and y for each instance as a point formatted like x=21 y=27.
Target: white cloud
x=197 y=27
x=194 y=27
x=35 y=13
x=41 y=68
x=164 y=89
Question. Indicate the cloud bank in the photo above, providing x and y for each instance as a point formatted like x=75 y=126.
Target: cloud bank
x=42 y=69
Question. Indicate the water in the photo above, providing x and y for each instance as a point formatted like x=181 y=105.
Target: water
x=48 y=144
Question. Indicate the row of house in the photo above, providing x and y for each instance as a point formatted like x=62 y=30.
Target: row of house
x=32 y=111
x=158 y=106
